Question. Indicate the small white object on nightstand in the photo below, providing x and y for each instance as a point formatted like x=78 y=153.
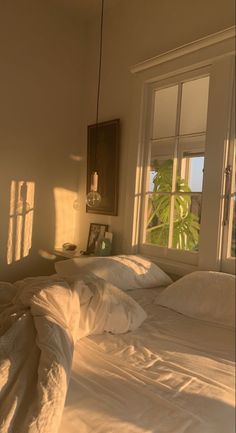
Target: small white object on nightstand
x=67 y=254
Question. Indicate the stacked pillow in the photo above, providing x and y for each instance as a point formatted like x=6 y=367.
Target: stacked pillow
x=127 y=272
x=204 y=295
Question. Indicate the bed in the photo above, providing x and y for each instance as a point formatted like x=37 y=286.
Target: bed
x=172 y=372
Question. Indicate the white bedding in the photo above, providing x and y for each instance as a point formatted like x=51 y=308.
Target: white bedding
x=127 y=272
x=105 y=308
x=40 y=320
x=175 y=374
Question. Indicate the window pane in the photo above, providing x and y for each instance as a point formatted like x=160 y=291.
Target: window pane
x=165 y=108
x=191 y=177
x=186 y=224
x=194 y=106
x=195 y=178
x=160 y=175
x=157 y=225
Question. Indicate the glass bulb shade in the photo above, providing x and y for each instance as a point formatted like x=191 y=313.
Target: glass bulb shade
x=93 y=199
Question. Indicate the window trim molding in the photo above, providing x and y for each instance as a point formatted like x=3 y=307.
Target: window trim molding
x=185 y=49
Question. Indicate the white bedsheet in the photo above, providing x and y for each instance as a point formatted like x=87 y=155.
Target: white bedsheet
x=173 y=375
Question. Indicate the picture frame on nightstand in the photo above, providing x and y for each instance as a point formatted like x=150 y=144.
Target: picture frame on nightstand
x=96 y=232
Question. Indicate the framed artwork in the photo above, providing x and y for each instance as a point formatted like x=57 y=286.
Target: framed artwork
x=96 y=232
x=103 y=157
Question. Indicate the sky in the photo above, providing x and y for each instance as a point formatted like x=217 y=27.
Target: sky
x=195 y=175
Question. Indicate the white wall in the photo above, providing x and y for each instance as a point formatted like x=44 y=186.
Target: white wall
x=48 y=82
x=135 y=30
x=41 y=100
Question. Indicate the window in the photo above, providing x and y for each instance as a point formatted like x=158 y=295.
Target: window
x=175 y=174
x=180 y=146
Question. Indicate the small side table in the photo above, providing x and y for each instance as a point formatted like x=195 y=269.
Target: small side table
x=59 y=252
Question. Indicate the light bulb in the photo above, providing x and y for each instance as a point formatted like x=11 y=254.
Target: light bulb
x=93 y=199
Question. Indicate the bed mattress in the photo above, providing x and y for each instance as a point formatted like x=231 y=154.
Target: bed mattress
x=174 y=374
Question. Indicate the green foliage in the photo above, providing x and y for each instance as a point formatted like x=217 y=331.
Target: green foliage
x=185 y=225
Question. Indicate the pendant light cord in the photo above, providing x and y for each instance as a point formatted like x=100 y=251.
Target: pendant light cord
x=93 y=197
x=95 y=170
x=100 y=62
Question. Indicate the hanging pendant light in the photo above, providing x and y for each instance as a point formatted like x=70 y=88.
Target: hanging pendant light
x=93 y=197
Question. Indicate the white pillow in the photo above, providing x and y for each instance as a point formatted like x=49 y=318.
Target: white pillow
x=205 y=295
x=126 y=271
x=105 y=308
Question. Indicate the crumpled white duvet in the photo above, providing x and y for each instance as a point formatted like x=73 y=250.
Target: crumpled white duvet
x=38 y=328
x=40 y=320
x=105 y=308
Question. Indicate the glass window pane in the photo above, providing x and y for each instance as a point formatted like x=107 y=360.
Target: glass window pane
x=186 y=224
x=195 y=173
x=191 y=174
x=194 y=106
x=160 y=175
x=165 y=108
x=158 y=217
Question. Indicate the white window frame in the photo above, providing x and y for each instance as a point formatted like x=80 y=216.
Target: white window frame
x=227 y=261
x=148 y=249
x=216 y=54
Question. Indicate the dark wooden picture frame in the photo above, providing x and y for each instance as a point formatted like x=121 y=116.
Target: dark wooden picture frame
x=103 y=157
x=96 y=232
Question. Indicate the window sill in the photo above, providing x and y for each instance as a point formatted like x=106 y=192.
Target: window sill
x=171 y=266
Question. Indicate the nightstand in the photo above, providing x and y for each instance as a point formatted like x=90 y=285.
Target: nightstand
x=59 y=252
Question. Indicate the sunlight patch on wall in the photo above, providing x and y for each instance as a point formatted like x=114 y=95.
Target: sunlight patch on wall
x=76 y=158
x=20 y=220
x=65 y=216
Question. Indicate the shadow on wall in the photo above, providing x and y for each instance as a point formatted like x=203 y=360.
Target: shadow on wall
x=27 y=218
x=37 y=208
x=20 y=225
x=36 y=218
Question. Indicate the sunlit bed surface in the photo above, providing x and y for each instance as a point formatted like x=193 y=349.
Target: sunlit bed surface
x=172 y=375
